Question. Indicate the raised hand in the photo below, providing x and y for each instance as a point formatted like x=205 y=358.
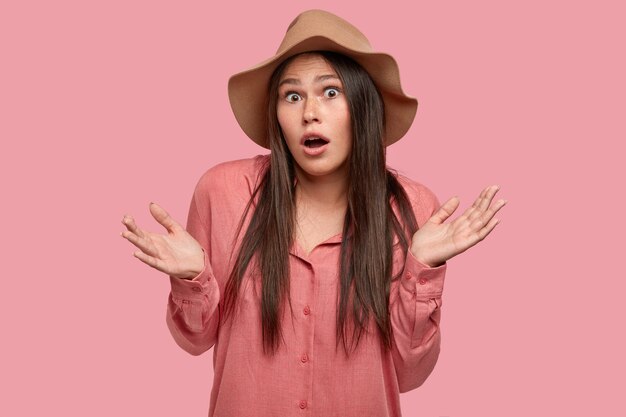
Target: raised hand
x=176 y=253
x=436 y=242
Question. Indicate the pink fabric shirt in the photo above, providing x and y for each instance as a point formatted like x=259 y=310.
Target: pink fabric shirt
x=307 y=377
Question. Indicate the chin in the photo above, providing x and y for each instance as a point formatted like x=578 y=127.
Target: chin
x=320 y=169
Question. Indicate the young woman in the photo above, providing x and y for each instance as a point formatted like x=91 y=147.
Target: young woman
x=320 y=225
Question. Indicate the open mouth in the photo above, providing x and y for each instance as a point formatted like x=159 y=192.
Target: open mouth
x=314 y=142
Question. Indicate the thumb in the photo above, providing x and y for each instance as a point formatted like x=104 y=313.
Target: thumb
x=162 y=216
x=445 y=210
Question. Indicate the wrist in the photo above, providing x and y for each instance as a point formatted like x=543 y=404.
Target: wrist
x=430 y=263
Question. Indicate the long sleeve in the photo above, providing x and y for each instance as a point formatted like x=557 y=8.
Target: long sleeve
x=415 y=303
x=192 y=313
x=415 y=314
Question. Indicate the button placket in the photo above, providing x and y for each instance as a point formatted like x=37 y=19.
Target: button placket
x=307 y=322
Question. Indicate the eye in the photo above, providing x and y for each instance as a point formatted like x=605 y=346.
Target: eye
x=331 y=92
x=292 y=97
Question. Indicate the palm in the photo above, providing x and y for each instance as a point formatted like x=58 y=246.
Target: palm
x=175 y=253
x=436 y=242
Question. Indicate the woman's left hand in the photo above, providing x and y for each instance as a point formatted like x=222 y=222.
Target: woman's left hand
x=435 y=242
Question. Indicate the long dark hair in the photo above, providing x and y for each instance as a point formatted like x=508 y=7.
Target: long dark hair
x=369 y=225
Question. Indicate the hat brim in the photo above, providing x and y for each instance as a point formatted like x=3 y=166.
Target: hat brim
x=248 y=90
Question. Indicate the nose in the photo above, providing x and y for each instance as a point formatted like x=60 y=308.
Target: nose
x=311 y=111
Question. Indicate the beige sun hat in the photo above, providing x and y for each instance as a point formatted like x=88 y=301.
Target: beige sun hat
x=316 y=30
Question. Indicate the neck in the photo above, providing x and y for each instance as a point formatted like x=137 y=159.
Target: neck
x=329 y=192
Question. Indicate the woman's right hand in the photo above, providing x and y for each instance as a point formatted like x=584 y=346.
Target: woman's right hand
x=176 y=253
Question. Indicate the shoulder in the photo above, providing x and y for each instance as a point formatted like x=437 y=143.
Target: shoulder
x=241 y=175
x=423 y=200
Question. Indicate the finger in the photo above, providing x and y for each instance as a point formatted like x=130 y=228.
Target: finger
x=480 y=222
x=482 y=194
x=482 y=203
x=164 y=218
x=482 y=233
x=445 y=210
x=486 y=201
x=140 y=242
x=149 y=260
x=130 y=224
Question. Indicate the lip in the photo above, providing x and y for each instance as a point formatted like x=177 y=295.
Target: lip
x=314 y=151
x=313 y=135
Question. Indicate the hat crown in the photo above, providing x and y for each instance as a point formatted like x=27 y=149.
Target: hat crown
x=312 y=23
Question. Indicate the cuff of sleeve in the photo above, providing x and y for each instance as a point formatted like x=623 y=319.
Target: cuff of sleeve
x=199 y=285
x=421 y=279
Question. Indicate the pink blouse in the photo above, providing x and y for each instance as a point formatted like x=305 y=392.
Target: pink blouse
x=307 y=377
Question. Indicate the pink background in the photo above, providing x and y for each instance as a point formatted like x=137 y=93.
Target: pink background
x=106 y=106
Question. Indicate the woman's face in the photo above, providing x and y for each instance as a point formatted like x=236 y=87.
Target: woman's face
x=314 y=116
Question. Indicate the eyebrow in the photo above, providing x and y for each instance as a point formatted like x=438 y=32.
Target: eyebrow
x=318 y=79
